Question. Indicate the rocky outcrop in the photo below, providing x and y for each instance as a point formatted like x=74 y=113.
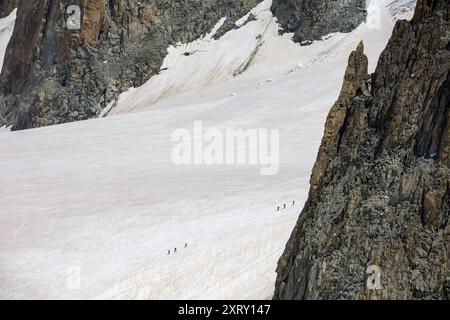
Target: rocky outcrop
x=311 y=19
x=54 y=74
x=6 y=7
x=376 y=223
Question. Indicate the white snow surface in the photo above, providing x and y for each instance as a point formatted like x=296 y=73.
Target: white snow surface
x=88 y=210
x=6 y=30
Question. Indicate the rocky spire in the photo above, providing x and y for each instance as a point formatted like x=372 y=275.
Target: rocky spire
x=356 y=82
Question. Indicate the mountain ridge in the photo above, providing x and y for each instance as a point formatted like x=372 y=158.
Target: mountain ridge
x=54 y=75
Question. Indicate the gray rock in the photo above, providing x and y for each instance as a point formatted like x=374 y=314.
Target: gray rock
x=311 y=19
x=6 y=7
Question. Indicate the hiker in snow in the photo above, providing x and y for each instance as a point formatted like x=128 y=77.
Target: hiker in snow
x=185 y=245
x=293 y=203
x=168 y=252
x=284 y=207
x=278 y=208
x=175 y=250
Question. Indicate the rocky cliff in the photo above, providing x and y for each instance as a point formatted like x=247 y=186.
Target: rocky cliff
x=376 y=224
x=54 y=74
x=6 y=7
x=312 y=19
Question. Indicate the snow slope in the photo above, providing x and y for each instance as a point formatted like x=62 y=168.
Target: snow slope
x=89 y=209
x=6 y=30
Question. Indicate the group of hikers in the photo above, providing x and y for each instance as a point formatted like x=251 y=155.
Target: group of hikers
x=279 y=208
x=284 y=207
x=175 y=249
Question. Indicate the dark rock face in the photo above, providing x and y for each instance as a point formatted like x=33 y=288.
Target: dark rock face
x=53 y=74
x=312 y=19
x=379 y=203
x=6 y=7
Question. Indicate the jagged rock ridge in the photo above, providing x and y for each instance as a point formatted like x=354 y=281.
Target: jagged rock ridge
x=310 y=19
x=380 y=189
x=52 y=74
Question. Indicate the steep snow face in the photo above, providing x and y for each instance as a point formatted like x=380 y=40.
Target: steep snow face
x=90 y=209
x=401 y=8
x=6 y=30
